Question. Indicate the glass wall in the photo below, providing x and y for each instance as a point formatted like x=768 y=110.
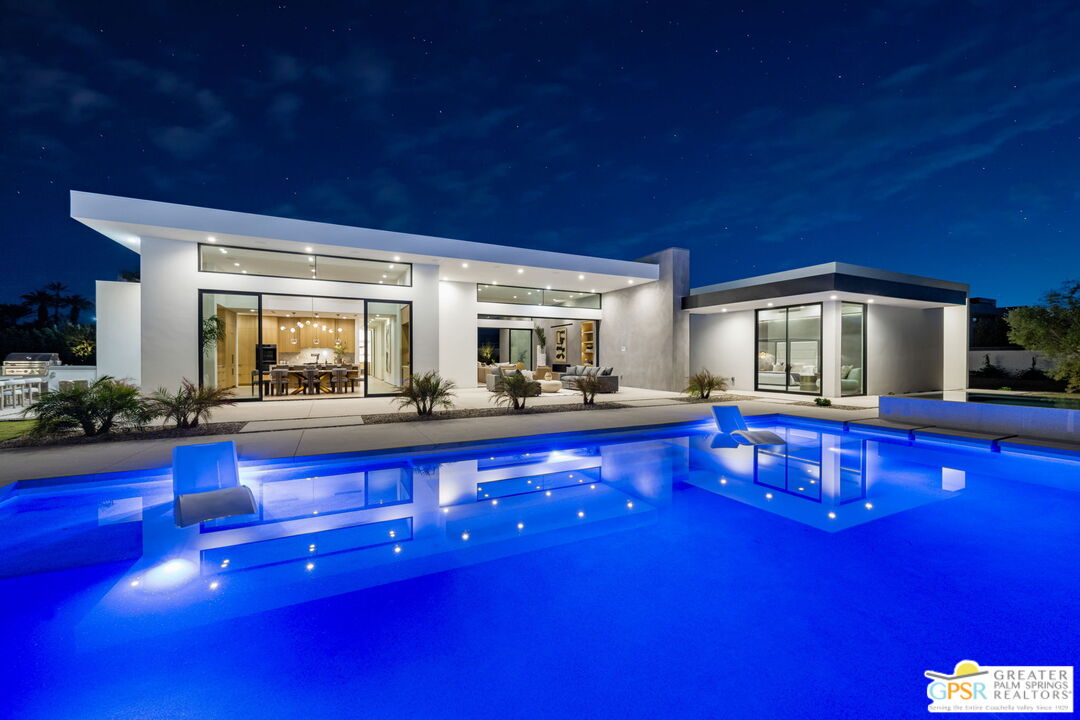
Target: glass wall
x=535 y=296
x=228 y=335
x=246 y=261
x=852 y=349
x=789 y=349
x=389 y=346
x=521 y=346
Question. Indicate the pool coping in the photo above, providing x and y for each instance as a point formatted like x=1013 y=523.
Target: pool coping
x=884 y=429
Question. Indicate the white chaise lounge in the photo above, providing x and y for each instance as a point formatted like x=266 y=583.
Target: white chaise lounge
x=733 y=429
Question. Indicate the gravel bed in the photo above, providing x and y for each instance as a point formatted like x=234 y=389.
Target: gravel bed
x=384 y=418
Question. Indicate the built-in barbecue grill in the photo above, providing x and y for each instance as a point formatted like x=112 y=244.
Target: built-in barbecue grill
x=30 y=363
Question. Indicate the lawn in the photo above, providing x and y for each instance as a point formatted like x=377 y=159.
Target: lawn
x=14 y=428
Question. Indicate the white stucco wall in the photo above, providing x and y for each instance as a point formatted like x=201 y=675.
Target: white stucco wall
x=904 y=349
x=457 y=337
x=723 y=343
x=118 y=313
x=955 y=346
x=171 y=281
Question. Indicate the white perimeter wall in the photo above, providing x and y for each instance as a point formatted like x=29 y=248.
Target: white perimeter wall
x=171 y=281
x=723 y=343
x=117 y=336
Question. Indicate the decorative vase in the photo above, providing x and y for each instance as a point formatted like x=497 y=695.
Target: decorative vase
x=541 y=356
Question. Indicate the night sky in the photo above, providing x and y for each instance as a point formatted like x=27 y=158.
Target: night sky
x=933 y=138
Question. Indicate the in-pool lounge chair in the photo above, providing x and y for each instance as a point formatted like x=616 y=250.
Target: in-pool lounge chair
x=206 y=484
x=733 y=429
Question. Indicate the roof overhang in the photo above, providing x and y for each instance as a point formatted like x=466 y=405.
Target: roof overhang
x=831 y=281
x=128 y=220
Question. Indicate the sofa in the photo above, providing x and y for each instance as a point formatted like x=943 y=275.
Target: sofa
x=609 y=382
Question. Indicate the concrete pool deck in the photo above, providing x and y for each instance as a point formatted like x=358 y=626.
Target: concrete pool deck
x=348 y=436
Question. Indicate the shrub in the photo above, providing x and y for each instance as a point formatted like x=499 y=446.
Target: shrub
x=426 y=392
x=1052 y=328
x=188 y=405
x=588 y=386
x=96 y=408
x=990 y=370
x=512 y=390
x=702 y=384
x=486 y=354
x=822 y=402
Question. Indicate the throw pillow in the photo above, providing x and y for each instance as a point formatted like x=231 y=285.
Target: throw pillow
x=844 y=370
x=591 y=370
x=607 y=371
x=855 y=374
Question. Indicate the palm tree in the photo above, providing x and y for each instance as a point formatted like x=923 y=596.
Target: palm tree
x=40 y=301
x=11 y=314
x=57 y=289
x=76 y=304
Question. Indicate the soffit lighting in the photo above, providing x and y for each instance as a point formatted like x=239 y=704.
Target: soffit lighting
x=397 y=258
x=464 y=265
x=521 y=270
x=211 y=238
x=580 y=277
x=223 y=251
x=308 y=249
x=832 y=297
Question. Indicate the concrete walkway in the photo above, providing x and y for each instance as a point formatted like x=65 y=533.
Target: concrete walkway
x=30 y=463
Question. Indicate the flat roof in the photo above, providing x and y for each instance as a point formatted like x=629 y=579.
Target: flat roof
x=127 y=220
x=844 y=280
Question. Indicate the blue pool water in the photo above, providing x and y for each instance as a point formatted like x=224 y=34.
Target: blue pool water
x=629 y=574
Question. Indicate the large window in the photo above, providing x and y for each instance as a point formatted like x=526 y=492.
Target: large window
x=246 y=261
x=291 y=347
x=789 y=349
x=852 y=349
x=535 y=296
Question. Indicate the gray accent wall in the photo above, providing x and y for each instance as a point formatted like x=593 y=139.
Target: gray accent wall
x=904 y=349
x=645 y=335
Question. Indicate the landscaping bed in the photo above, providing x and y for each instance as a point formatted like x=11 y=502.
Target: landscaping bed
x=383 y=418
x=76 y=438
x=715 y=399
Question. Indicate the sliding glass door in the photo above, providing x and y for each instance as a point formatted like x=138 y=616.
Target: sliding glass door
x=228 y=336
x=292 y=347
x=852 y=349
x=788 y=348
x=389 y=346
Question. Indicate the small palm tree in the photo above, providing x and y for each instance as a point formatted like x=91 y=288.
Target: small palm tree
x=588 y=386
x=486 y=353
x=512 y=390
x=95 y=408
x=426 y=392
x=703 y=383
x=190 y=404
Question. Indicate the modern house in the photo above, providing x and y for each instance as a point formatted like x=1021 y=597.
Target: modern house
x=226 y=296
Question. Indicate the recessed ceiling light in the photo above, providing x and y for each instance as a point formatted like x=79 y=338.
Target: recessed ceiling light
x=832 y=297
x=464 y=265
x=211 y=238
x=723 y=309
x=494 y=282
x=521 y=270
x=630 y=281
x=236 y=264
x=223 y=251
x=770 y=304
x=397 y=258
x=580 y=277
x=870 y=300
x=548 y=287
x=244 y=272
x=592 y=291
x=308 y=249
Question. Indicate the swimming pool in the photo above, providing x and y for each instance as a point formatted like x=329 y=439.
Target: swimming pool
x=621 y=574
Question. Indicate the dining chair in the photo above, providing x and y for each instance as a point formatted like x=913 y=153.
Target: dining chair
x=279 y=381
x=311 y=381
x=340 y=380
